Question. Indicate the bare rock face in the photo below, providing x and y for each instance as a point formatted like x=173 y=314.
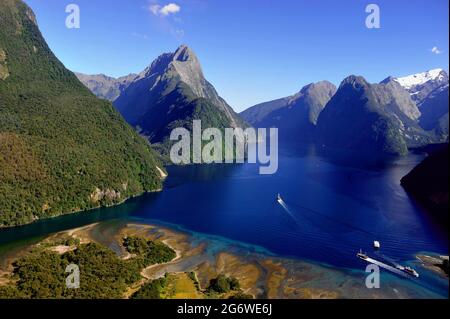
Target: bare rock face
x=108 y=194
x=4 y=72
x=185 y=63
x=30 y=14
x=397 y=99
x=429 y=91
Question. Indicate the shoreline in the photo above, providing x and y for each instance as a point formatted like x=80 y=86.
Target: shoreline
x=433 y=262
x=261 y=275
x=158 y=190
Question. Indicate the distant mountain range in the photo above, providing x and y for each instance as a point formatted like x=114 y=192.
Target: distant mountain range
x=389 y=117
x=61 y=148
x=296 y=116
x=384 y=118
x=106 y=87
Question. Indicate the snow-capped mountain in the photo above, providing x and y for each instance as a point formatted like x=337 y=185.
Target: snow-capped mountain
x=420 y=85
x=429 y=90
x=410 y=81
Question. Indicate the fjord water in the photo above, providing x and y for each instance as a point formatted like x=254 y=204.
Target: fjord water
x=332 y=206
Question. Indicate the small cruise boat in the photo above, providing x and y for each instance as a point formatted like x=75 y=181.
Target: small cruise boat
x=407 y=270
x=279 y=197
x=411 y=271
x=400 y=267
x=376 y=244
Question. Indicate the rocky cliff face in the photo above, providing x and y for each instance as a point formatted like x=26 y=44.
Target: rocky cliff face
x=4 y=72
x=357 y=117
x=171 y=92
x=429 y=90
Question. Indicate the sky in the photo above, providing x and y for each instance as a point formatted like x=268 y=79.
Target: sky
x=252 y=51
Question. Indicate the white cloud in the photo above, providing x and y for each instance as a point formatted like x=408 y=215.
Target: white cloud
x=154 y=8
x=171 y=8
x=435 y=50
x=168 y=9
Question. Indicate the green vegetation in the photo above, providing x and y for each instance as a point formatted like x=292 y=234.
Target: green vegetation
x=65 y=241
x=241 y=295
x=192 y=276
x=171 y=286
x=223 y=284
x=151 y=290
x=186 y=286
x=41 y=274
x=148 y=252
x=61 y=148
x=191 y=108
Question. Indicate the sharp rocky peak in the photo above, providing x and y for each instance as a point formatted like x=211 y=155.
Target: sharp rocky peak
x=357 y=82
x=183 y=54
x=183 y=61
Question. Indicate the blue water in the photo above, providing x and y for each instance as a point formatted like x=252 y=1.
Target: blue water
x=331 y=210
x=332 y=207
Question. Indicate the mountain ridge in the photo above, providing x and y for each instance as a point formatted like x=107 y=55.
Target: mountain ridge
x=106 y=87
x=296 y=115
x=413 y=124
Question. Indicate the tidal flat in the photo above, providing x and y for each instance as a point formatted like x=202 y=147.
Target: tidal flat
x=260 y=273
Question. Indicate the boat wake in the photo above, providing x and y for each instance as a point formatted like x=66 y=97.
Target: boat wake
x=287 y=210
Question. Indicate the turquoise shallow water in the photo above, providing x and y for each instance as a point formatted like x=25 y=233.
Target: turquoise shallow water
x=333 y=206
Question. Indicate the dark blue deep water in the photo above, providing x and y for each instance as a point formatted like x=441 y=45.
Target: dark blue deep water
x=331 y=210
x=333 y=206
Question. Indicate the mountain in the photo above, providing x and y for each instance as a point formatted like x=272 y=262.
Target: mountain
x=371 y=118
x=61 y=148
x=429 y=90
x=428 y=183
x=434 y=109
x=421 y=84
x=106 y=87
x=295 y=116
x=170 y=93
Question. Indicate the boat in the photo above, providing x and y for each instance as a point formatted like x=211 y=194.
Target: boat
x=400 y=267
x=362 y=255
x=407 y=270
x=376 y=244
x=279 y=197
x=411 y=271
